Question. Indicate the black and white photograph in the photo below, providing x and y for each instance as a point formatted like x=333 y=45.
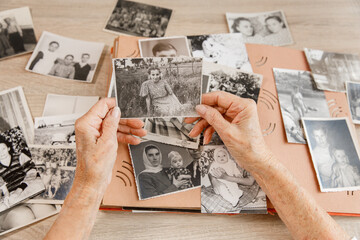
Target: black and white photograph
x=138 y=19
x=19 y=179
x=334 y=152
x=298 y=97
x=14 y=111
x=17 y=34
x=234 y=81
x=171 y=131
x=165 y=47
x=112 y=88
x=241 y=194
x=65 y=104
x=353 y=95
x=55 y=130
x=224 y=49
x=25 y=214
x=268 y=28
x=65 y=58
x=332 y=70
x=158 y=87
x=56 y=166
x=162 y=169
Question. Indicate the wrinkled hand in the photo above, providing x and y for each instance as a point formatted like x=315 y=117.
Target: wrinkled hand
x=97 y=136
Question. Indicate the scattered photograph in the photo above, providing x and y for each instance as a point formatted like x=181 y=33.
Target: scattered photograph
x=261 y=28
x=224 y=49
x=112 y=88
x=158 y=87
x=65 y=57
x=57 y=166
x=19 y=179
x=334 y=153
x=353 y=95
x=138 y=19
x=14 y=111
x=162 y=169
x=25 y=214
x=332 y=70
x=55 y=130
x=240 y=195
x=231 y=80
x=165 y=47
x=171 y=131
x=298 y=97
x=17 y=34
x=65 y=104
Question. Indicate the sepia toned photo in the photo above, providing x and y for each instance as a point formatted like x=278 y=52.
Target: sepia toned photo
x=224 y=49
x=65 y=57
x=14 y=111
x=158 y=87
x=268 y=28
x=332 y=70
x=353 y=95
x=138 y=19
x=334 y=153
x=298 y=97
x=162 y=169
x=164 y=47
x=225 y=187
x=17 y=34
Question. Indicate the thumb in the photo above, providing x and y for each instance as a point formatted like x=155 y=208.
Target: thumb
x=213 y=117
x=110 y=125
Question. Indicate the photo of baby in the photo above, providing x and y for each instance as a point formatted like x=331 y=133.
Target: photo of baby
x=164 y=47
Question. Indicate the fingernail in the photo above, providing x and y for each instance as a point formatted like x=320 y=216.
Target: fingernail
x=201 y=109
x=115 y=112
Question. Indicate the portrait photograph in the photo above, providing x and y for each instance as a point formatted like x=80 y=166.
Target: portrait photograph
x=19 y=178
x=334 y=152
x=240 y=195
x=165 y=47
x=268 y=28
x=298 y=97
x=17 y=34
x=14 y=111
x=158 y=87
x=65 y=58
x=138 y=19
x=332 y=70
x=353 y=95
x=161 y=169
x=224 y=49
x=56 y=165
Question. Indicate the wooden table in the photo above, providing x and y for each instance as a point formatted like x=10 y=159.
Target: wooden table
x=332 y=25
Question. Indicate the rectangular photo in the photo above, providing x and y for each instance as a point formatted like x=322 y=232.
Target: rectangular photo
x=14 y=111
x=56 y=165
x=171 y=131
x=332 y=70
x=334 y=152
x=162 y=169
x=224 y=49
x=268 y=28
x=65 y=57
x=158 y=87
x=353 y=95
x=19 y=179
x=298 y=97
x=241 y=194
x=17 y=34
x=138 y=19
x=25 y=214
x=165 y=47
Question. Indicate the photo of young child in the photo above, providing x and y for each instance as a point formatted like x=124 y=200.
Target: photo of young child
x=177 y=168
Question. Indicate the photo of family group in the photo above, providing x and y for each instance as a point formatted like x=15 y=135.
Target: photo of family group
x=261 y=28
x=162 y=169
x=65 y=58
x=158 y=87
x=336 y=162
x=138 y=19
x=165 y=47
x=218 y=195
x=353 y=95
x=17 y=34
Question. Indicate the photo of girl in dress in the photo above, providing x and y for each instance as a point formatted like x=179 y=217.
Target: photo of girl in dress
x=158 y=87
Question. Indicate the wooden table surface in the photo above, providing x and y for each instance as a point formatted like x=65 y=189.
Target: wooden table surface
x=332 y=25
